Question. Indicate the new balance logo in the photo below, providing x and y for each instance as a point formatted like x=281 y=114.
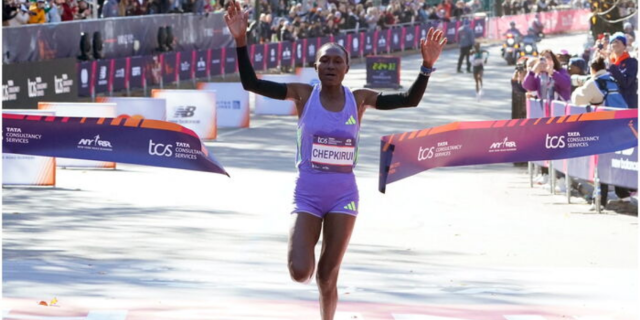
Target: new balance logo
x=351 y=206
x=351 y=121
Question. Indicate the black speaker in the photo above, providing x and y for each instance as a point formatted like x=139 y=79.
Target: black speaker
x=170 y=38
x=97 y=45
x=162 y=40
x=85 y=47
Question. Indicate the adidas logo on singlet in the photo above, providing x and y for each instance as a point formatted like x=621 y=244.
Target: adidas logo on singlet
x=351 y=206
x=351 y=121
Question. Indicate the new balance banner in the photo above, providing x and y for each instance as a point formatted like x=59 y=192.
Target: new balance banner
x=201 y=69
x=619 y=168
x=24 y=84
x=120 y=73
x=137 y=71
x=273 y=55
x=368 y=43
x=84 y=109
x=230 y=63
x=20 y=169
x=145 y=142
x=311 y=47
x=355 y=46
x=451 y=31
x=517 y=140
x=86 y=71
x=215 y=62
x=186 y=65
x=194 y=109
x=478 y=26
x=410 y=37
x=396 y=39
x=286 y=54
x=299 y=49
x=169 y=68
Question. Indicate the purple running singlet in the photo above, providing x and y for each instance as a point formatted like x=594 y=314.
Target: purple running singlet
x=327 y=152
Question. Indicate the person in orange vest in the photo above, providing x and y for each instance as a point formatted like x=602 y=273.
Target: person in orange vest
x=36 y=12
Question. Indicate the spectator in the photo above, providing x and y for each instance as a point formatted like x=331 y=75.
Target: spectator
x=264 y=28
x=506 y=7
x=458 y=10
x=543 y=6
x=518 y=93
x=123 y=7
x=330 y=28
x=135 y=9
x=577 y=69
x=475 y=6
x=466 y=39
x=515 y=7
x=624 y=69
x=67 y=9
x=423 y=14
x=526 y=6
x=433 y=15
x=628 y=29
x=372 y=18
x=36 y=12
x=548 y=79
x=447 y=5
x=53 y=15
x=14 y=14
x=599 y=87
x=110 y=9
x=84 y=12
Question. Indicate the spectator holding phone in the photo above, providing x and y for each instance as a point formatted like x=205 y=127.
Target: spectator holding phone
x=548 y=78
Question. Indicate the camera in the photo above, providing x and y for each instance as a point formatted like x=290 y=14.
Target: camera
x=520 y=66
x=600 y=46
x=578 y=80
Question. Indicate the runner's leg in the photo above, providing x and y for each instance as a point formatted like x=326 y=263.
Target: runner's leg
x=303 y=236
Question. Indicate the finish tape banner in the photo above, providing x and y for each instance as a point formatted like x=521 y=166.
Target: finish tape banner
x=133 y=140
x=518 y=140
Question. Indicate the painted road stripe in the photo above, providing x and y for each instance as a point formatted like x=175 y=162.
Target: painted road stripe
x=421 y=317
x=523 y=317
x=107 y=315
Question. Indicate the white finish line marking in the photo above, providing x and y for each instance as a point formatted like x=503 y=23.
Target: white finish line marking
x=421 y=317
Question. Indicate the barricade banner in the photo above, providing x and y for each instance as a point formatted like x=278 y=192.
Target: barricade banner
x=20 y=169
x=186 y=67
x=120 y=74
x=138 y=107
x=286 y=54
x=451 y=31
x=409 y=37
x=273 y=55
x=299 y=52
x=25 y=84
x=581 y=167
x=553 y=21
x=396 y=39
x=86 y=82
x=341 y=39
x=230 y=60
x=483 y=142
x=215 y=62
x=311 y=46
x=381 y=42
x=558 y=109
x=153 y=66
x=479 y=27
x=368 y=42
x=619 y=168
x=232 y=103
x=97 y=110
x=258 y=60
x=202 y=65
x=265 y=105
x=355 y=45
x=193 y=109
x=169 y=68
x=136 y=72
x=103 y=76
x=145 y=142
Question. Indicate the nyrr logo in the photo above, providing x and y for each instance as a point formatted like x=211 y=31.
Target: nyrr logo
x=160 y=150
x=425 y=154
x=505 y=145
x=185 y=112
x=409 y=37
x=554 y=142
x=382 y=42
x=479 y=28
x=286 y=54
x=95 y=143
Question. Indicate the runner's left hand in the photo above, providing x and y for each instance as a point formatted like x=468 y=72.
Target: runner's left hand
x=431 y=47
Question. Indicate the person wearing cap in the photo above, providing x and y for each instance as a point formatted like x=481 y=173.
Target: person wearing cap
x=36 y=12
x=53 y=15
x=466 y=39
x=624 y=69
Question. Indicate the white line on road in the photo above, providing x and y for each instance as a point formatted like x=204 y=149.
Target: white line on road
x=421 y=317
x=107 y=315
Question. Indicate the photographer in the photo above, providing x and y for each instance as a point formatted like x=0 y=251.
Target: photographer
x=548 y=78
x=578 y=71
x=518 y=93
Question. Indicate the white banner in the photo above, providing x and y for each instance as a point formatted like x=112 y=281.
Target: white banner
x=232 y=103
x=308 y=75
x=138 y=107
x=19 y=169
x=193 y=109
x=81 y=109
x=270 y=106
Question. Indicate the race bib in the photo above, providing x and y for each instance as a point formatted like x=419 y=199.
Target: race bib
x=333 y=154
x=477 y=62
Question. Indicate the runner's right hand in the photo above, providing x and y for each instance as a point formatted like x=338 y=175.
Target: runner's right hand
x=237 y=20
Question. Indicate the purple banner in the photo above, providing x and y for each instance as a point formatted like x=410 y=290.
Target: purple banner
x=169 y=67
x=103 y=80
x=355 y=43
x=619 y=168
x=479 y=27
x=409 y=37
x=152 y=69
x=215 y=62
x=120 y=74
x=517 y=140
x=201 y=70
x=186 y=65
x=136 y=71
x=451 y=31
x=273 y=56
x=299 y=52
x=85 y=75
x=396 y=39
x=341 y=39
x=126 y=140
x=258 y=57
x=286 y=54
x=368 y=39
x=381 y=42
x=230 y=64
x=311 y=47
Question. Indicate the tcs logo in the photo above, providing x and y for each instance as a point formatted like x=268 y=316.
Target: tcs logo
x=159 y=149
x=554 y=142
x=425 y=154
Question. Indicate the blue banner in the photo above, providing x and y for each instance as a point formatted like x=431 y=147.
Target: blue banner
x=125 y=140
